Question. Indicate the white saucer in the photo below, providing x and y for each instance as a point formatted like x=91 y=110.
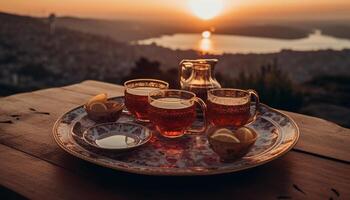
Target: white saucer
x=117 y=136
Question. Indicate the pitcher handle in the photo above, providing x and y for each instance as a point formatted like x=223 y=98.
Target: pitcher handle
x=254 y=94
x=204 y=110
x=184 y=64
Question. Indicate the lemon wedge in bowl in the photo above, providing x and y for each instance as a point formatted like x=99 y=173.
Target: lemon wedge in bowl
x=225 y=135
x=230 y=143
x=102 y=98
x=98 y=107
x=244 y=134
x=223 y=131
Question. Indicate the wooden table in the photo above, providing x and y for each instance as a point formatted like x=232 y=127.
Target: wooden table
x=33 y=166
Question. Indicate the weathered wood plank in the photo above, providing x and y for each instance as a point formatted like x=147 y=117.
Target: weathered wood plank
x=92 y=90
x=19 y=110
x=64 y=95
x=100 y=84
x=322 y=137
x=34 y=102
x=37 y=179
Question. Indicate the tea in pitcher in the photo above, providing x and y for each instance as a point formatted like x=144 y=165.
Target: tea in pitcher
x=198 y=76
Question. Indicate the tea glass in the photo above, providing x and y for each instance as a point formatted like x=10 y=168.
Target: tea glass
x=136 y=96
x=231 y=107
x=172 y=112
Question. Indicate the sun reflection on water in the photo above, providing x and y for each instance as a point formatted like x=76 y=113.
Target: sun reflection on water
x=205 y=45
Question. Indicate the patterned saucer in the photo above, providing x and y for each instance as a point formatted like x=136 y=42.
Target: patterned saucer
x=185 y=156
x=117 y=136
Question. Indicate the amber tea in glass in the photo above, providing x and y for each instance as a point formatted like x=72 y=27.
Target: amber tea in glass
x=231 y=107
x=198 y=76
x=173 y=112
x=136 y=96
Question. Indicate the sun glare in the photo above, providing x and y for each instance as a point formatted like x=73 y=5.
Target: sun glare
x=206 y=9
x=206 y=34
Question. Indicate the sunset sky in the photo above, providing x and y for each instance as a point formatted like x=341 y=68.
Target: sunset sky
x=172 y=9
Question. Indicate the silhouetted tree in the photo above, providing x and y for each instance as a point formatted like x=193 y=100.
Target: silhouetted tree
x=171 y=76
x=145 y=68
x=36 y=71
x=274 y=87
x=335 y=90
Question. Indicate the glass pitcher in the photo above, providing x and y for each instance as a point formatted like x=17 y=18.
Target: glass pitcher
x=198 y=76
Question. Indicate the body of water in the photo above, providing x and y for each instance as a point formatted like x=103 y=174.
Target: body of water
x=218 y=43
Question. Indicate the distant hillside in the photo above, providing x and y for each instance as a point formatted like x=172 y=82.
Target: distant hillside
x=118 y=30
x=125 y=30
x=340 y=31
x=335 y=28
x=31 y=57
x=122 y=30
x=269 y=31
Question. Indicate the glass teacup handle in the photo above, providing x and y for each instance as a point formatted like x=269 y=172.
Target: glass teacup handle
x=185 y=71
x=255 y=95
x=204 y=110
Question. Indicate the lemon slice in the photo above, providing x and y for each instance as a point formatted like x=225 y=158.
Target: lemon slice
x=224 y=137
x=244 y=134
x=102 y=98
x=98 y=107
x=223 y=131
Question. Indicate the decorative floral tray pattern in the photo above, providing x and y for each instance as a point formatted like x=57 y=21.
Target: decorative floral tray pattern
x=188 y=155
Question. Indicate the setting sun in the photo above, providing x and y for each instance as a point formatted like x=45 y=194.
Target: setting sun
x=206 y=34
x=206 y=9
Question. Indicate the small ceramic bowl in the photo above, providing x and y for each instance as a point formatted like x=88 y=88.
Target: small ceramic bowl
x=112 y=114
x=117 y=136
x=228 y=150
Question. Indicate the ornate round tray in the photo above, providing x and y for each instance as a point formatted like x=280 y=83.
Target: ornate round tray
x=188 y=155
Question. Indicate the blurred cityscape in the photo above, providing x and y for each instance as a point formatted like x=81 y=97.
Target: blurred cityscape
x=37 y=53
